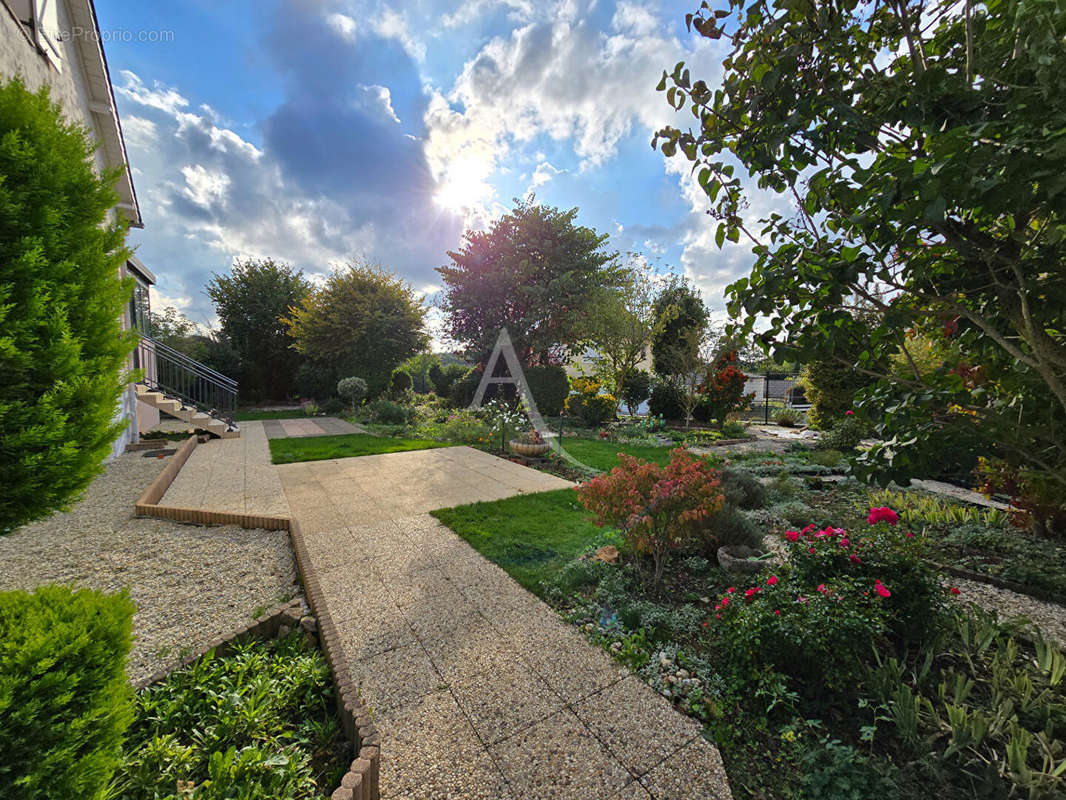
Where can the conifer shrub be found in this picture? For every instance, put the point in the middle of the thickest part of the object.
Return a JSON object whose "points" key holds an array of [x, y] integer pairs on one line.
{"points": [[65, 701], [62, 350]]}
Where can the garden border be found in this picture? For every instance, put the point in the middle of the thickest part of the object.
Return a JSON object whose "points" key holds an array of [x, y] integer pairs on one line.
{"points": [[266, 627], [147, 504], [1002, 583]]}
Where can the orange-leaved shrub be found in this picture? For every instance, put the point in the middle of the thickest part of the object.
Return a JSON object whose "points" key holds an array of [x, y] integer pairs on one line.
{"points": [[657, 508]]}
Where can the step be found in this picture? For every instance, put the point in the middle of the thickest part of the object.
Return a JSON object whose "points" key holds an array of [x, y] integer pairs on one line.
{"points": [[168, 405]]}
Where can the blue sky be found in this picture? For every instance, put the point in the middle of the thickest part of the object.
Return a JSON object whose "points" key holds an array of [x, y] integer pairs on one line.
{"points": [[314, 131]]}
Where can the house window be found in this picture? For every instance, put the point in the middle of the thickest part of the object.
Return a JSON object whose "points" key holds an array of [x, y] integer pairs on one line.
{"points": [[41, 19], [140, 310]]}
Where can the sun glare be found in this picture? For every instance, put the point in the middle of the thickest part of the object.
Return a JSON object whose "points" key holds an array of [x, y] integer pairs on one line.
{"points": [[463, 185]]}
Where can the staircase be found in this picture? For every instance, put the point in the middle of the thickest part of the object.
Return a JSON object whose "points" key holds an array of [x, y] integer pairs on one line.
{"points": [[185, 388]]}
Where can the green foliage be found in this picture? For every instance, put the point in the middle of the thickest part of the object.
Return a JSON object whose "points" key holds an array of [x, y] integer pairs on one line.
{"points": [[251, 302], [443, 378], [550, 386], [353, 390], [400, 385], [742, 489], [636, 389], [734, 429], [347, 445], [389, 413], [1003, 553], [844, 436], [533, 272], [918, 509], [729, 526], [665, 400], [364, 321], [64, 696], [679, 313], [929, 190], [833, 769], [420, 368], [460, 426], [62, 351], [831, 388], [832, 458], [316, 380], [461, 392], [256, 723], [587, 403], [787, 417]]}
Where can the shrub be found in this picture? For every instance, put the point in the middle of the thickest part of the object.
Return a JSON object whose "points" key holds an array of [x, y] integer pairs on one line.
{"points": [[64, 696], [549, 386], [722, 390], [460, 425], [826, 458], [587, 404], [831, 388], [62, 350], [844, 436], [334, 406], [733, 429], [316, 380], [389, 413], [729, 526], [353, 390], [444, 377], [793, 512], [665, 400], [400, 384], [788, 417], [461, 391], [742, 489], [635, 390], [657, 508]]}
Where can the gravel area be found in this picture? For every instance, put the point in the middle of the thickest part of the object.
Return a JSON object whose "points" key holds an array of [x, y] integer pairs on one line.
{"points": [[190, 583], [1049, 617]]}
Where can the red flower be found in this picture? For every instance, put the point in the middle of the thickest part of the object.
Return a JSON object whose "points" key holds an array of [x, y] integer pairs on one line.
{"points": [[910, 535], [955, 590], [854, 559], [882, 514], [844, 542], [881, 590], [821, 588], [777, 612], [750, 593], [771, 580], [849, 413], [725, 601], [705, 622], [810, 528], [811, 551], [792, 535], [731, 589]]}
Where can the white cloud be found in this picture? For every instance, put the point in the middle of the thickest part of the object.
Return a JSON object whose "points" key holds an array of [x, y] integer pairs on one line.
{"points": [[343, 25], [205, 187], [393, 24], [544, 173], [159, 97]]}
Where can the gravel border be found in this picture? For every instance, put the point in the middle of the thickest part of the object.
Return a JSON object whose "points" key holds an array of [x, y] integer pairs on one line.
{"points": [[190, 583]]}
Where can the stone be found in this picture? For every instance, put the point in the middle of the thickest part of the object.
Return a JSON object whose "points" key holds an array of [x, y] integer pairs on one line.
{"points": [[608, 554], [309, 625], [283, 631]]}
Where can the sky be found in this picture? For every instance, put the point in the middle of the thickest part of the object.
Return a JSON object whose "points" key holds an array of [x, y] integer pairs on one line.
{"points": [[318, 131]]}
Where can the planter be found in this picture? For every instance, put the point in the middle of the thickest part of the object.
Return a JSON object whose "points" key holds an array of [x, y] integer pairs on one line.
{"points": [[736, 558], [530, 449]]}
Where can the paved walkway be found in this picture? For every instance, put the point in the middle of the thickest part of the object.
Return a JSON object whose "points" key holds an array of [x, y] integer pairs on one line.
{"points": [[478, 689], [230, 475], [307, 426]]}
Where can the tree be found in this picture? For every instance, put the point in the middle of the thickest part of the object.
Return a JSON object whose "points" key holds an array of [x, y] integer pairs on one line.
{"points": [[620, 326], [420, 367], [722, 390], [920, 150], [250, 303], [62, 350], [680, 317], [365, 321], [534, 273], [636, 389]]}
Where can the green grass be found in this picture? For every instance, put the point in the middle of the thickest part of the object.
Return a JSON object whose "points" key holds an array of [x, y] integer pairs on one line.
{"points": [[251, 414], [320, 448], [531, 536], [603, 455]]}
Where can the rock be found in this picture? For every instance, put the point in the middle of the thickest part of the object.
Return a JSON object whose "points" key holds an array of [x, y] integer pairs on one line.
{"points": [[608, 554], [284, 631], [683, 673], [309, 625], [671, 679], [666, 663]]}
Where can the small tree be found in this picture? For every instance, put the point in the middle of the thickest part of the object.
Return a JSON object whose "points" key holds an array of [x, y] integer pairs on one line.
{"points": [[680, 318], [353, 390], [62, 350], [364, 321], [400, 384], [420, 368], [658, 509], [722, 391], [636, 389]]}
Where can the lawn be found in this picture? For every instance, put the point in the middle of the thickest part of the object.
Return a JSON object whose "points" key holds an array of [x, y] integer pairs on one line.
{"points": [[603, 454], [532, 536], [252, 414], [321, 448]]}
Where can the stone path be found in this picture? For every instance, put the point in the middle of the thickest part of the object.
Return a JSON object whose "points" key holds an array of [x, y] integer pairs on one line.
{"points": [[230, 475], [307, 426], [477, 687]]}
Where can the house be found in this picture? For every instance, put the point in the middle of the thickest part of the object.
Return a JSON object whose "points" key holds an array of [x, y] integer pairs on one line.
{"points": [[58, 43]]}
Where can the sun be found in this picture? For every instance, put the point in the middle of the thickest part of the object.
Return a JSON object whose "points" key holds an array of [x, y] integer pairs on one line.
{"points": [[463, 185]]}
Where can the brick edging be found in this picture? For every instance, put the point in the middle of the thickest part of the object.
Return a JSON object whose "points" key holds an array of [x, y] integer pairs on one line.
{"points": [[266, 627], [361, 780], [147, 504]]}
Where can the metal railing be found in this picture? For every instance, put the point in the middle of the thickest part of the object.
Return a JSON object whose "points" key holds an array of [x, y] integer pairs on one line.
{"points": [[172, 372]]}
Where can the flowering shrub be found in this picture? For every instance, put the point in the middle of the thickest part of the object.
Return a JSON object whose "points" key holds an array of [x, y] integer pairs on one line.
{"points": [[657, 508], [839, 595], [587, 404], [461, 426], [722, 390]]}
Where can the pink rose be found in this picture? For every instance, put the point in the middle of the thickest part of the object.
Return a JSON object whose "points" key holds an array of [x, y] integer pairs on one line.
{"points": [[792, 536], [772, 580]]}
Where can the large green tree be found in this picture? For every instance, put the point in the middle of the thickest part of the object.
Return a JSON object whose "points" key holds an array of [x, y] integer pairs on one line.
{"points": [[62, 350], [922, 150], [250, 303], [680, 321], [533, 271], [363, 323]]}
